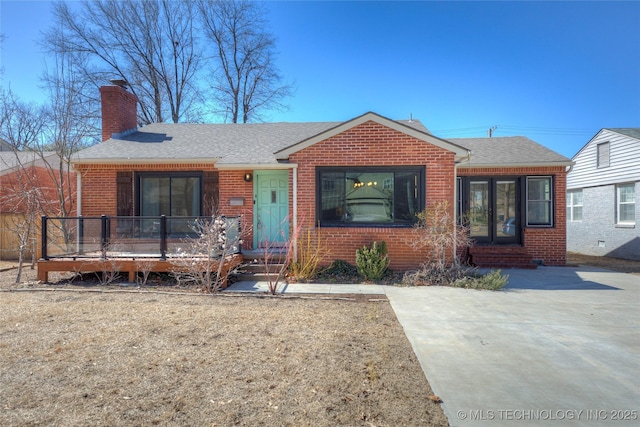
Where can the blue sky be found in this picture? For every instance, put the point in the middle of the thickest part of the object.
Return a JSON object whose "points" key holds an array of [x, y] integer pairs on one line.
{"points": [[556, 72]]}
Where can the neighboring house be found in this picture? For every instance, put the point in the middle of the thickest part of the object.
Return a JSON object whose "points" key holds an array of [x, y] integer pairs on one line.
{"points": [[24, 173], [354, 182], [5, 146], [603, 196]]}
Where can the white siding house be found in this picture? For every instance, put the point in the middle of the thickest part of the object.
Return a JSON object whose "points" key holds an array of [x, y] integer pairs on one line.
{"points": [[603, 196]]}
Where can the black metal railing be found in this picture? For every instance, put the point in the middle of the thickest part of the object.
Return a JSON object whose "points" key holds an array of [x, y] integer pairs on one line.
{"points": [[131, 236]]}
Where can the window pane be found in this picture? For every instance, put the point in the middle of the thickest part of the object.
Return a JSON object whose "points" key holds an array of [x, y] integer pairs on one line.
{"points": [[185, 196], [539, 201], [479, 209], [539, 189], [332, 201], [577, 197], [369, 197], [406, 197], [627, 213], [363, 196], [577, 213], [625, 193], [155, 196], [539, 213]]}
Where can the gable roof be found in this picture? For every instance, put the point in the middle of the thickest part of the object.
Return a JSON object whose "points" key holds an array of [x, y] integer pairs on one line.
{"points": [[233, 145], [407, 127], [11, 160], [630, 132], [508, 151], [268, 145]]}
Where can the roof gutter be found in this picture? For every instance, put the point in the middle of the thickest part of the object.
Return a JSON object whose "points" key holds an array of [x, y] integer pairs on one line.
{"points": [[256, 166], [515, 165], [130, 161]]}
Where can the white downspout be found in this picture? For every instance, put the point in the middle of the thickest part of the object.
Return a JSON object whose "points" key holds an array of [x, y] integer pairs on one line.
{"points": [[294, 173], [455, 212]]}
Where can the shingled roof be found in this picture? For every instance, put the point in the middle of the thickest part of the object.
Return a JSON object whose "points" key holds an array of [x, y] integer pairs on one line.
{"points": [[263, 144], [632, 132], [225, 144], [508, 151]]}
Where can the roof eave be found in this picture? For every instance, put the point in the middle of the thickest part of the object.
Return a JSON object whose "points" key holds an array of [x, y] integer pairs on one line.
{"points": [[515, 165], [129, 161], [256, 166], [370, 116]]}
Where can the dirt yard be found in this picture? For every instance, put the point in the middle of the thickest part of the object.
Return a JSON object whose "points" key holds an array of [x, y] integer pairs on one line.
{"points": [[96, 356], [81, 354], [616, 264]]}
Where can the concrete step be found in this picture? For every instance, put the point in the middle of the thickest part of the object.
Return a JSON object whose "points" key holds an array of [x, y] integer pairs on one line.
{"points": [[256, 270]]}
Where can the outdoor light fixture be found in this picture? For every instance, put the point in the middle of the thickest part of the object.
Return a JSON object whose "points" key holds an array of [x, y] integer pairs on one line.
{"points": [[248, 177]]}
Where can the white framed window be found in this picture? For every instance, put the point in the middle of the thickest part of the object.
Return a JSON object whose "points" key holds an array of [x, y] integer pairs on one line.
{"points": [[625, 204], [539, 201], [603, 155], [574, 205]]}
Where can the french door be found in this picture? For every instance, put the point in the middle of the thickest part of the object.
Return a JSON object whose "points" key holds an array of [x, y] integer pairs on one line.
{"points": [[494, 210]]}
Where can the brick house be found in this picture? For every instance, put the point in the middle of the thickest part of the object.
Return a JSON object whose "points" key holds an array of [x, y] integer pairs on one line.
{"points": [[29, 186], [360, 181]]}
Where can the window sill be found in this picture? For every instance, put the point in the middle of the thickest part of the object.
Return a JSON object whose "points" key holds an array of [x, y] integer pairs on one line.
{"points": [[630, 226], [363, 225]]}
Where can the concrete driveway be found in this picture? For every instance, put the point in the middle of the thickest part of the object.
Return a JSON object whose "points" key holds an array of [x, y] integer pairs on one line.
{"points": [[558, 346]]}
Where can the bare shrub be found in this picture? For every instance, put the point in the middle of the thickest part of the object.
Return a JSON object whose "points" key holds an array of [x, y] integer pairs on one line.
{"points": [[144, 267], [202, 260], [456, 276], [438, 232], [110, 272]]}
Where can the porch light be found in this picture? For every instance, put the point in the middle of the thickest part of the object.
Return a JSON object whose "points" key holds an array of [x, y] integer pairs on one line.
{"points": [[248, 177]]}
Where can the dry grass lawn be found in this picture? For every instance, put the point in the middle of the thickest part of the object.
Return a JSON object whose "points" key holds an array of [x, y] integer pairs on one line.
{"points": [[70, 357]]}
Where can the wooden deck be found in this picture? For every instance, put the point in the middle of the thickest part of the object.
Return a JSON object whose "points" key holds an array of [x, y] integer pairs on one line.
{"points": [[129, 265]]}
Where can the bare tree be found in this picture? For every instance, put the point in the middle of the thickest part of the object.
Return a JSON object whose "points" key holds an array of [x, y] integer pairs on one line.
{"points": [[21, 124], [245, 78], [72, 123], [23, 196], [150, 44]]}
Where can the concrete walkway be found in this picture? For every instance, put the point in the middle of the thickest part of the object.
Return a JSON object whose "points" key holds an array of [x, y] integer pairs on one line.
{"points": [[558, 346]]}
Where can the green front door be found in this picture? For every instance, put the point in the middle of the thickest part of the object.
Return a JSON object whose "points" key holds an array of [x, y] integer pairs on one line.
{"points": [[271, 216]]}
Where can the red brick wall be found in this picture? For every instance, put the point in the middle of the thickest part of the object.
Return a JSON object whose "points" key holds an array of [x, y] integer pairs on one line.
{"points": [[99, 190], [544, 243], [14, 185], [99, 183], [119, 112], [232, 184], [371, 144]]}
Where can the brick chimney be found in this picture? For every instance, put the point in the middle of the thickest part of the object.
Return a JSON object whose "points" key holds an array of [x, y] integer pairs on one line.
{"points": [[119, 111]]}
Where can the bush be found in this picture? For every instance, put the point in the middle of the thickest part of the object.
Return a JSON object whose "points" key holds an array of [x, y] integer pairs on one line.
{"points": [[455, 276], [372, 263], [341, 268], [493, 281]]}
